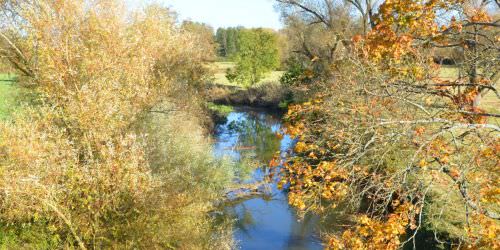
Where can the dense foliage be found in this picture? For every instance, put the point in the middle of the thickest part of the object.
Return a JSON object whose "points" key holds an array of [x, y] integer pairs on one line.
{"points": [[107, 150], [86, 164], [227, 39], [257, 55], [405, 151]]}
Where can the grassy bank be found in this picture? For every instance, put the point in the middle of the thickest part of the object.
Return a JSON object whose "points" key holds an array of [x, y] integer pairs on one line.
{"points": [[268, 93], [220, 68], [220, 109], [218, 114], [8, 95]]}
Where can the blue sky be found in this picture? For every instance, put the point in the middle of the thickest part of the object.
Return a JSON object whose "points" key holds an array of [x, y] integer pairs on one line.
{"points": [[223, 13]]}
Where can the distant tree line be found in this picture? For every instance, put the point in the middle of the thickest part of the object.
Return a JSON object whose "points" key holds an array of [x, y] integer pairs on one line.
{"points": [[227, 39]]}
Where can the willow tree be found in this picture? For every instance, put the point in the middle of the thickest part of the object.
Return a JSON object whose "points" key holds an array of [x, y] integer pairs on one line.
{"points": [[320, 30], [74, 171]]}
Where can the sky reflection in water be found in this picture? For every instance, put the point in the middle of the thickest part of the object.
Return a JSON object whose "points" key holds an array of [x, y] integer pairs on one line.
{"points": [[249, 137]]}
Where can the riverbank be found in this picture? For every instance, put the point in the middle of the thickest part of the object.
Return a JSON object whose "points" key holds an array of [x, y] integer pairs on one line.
{"points": [[267, 95], [8, 95]]}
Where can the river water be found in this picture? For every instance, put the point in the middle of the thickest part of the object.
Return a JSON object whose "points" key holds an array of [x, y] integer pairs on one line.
{"points": [[262, 221]]}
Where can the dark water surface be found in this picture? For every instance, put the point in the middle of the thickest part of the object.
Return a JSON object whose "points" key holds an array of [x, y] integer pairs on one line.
{"points": [[263, 221]]}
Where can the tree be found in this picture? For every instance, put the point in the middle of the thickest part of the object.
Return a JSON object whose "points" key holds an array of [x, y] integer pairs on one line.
{"points": [[232, 41], [203, 35], [407, 150], [319, 30], [74, 164], [257, 55], [326, 11], [221, 39], [227, 39]]}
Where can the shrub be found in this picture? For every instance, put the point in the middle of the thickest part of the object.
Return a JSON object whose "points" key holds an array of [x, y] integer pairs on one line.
{"points": [[295, 73], [75, 166]]}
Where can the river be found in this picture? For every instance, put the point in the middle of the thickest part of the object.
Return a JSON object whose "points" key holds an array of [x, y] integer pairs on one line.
{"points": [[262, 221]]}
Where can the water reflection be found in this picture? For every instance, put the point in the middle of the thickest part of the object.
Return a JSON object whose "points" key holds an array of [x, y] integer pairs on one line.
{"points": [[249, 137], [256, 136]]}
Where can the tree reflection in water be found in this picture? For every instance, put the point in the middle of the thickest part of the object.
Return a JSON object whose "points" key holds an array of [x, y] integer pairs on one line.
{"points": [[262, 221]]}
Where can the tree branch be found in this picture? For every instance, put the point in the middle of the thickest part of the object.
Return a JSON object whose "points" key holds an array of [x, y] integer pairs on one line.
{"points": [[320, 17]]}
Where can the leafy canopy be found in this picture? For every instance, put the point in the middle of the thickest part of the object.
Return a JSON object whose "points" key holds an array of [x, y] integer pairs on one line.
{"points": [[257, 55]]}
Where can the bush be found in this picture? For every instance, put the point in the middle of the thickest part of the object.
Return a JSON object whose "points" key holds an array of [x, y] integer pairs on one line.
{"points": [[269, 94], [295, 73], [79, 165]]}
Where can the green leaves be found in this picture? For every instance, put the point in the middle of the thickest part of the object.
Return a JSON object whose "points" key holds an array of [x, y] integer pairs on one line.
{"points": [[258, 54]]}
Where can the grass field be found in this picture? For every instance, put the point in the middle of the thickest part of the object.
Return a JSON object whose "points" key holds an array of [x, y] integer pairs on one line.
{"points": [[220, 74], [8, 95], [490, 102], [448, 72]]}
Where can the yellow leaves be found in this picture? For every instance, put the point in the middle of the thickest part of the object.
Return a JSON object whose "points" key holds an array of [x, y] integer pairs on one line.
{"points": [[357, 38], [444, 160], [364, 220], [371, 233], [335, 243], [318, 101], [440, 150], [274, 162], [490, 193], [282, 183], [419, 130], [486, 234], [293, 131], [336, 191], [52, 228], [279, 136], [479, 15], [296, 201], [36, 216], [326, 165], [391, 43], [308, 182], [300, 147], [423, 163], [312, 156], [492, 231], [327, 194], [454, 25]]}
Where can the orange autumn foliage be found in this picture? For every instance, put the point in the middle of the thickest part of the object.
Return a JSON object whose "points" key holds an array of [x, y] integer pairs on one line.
{"points": [[390, 128]]}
